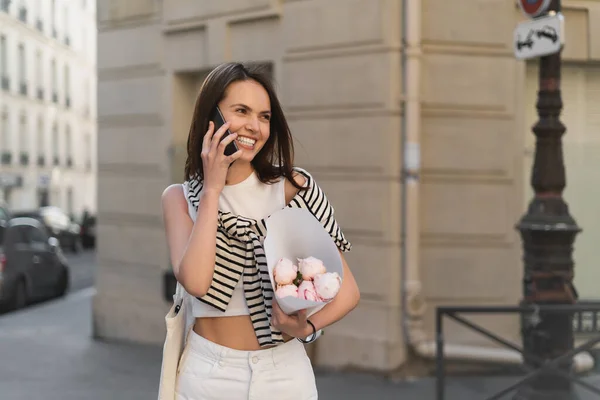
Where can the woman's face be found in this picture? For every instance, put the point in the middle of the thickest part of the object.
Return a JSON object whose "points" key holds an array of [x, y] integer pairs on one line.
{"points": [[246, 106]]}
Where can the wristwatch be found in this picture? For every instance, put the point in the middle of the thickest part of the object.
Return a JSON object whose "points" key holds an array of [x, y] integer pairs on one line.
{"points": [[310, 338]]}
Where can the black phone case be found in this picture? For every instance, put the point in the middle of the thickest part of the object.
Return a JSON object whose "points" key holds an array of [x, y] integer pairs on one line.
{"points": [[219, 121]]}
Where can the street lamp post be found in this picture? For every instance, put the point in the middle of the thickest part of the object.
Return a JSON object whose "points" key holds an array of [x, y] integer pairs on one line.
{"points": [[548, 232]]}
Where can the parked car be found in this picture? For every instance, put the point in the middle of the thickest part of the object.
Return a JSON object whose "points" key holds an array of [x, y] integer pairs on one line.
{"points": [[58, 224], [4, 214], [32, 265]]}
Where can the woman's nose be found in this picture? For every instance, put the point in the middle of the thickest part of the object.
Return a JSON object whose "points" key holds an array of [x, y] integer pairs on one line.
{"points": [[252, 124]]}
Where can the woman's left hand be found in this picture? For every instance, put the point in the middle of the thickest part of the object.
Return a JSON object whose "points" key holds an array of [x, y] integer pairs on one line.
{"points": [[294, 325]]}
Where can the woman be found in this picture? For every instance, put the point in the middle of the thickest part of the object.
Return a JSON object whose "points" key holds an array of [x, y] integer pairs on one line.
{"points": [[242, 345]]}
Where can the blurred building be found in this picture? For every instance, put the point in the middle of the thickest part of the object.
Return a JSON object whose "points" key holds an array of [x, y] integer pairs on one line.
{"points": [[48, 104], [352, 93]]}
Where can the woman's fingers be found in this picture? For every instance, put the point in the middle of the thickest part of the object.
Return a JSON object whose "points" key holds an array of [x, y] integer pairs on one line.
{"points": [[207, 138], [216, 139], [234, 156], [228, 139]]}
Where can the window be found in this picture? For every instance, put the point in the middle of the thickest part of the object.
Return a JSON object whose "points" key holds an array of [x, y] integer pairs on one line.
{"points": [[68, 146], [5, 150], [70, 200], [22, 69], [53, 17], [66, 24], [39, 73], [67, 83], [4, 142], [55, 144], [17, 235], [3, 60], [36, 236], [39, 22], [23, 12], [21, 62], [54, 81], [23, 139], [87, 151], [41, 146]]}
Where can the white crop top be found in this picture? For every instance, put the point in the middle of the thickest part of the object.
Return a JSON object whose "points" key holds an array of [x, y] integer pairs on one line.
{"points": [[250, 198]]}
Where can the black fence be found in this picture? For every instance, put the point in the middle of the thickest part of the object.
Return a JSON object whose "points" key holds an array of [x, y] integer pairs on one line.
{"points": [[585, 314]]}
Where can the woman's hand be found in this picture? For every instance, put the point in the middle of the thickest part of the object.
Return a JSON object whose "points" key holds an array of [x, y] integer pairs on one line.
{"points": [[214, 161], [294, 325]]}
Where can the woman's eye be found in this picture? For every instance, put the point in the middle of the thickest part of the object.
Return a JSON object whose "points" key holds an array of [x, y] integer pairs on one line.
{"points": [[267, 117], [241, 110]]}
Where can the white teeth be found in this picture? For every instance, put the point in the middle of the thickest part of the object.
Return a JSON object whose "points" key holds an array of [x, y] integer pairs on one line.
{"points": [[246, 141]]}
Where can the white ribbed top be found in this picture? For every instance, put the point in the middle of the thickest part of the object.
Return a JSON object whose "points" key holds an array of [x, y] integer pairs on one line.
{"points": [[252, 199]]}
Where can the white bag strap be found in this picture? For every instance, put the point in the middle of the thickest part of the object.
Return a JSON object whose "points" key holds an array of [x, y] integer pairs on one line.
{"points": [[179, 292]]}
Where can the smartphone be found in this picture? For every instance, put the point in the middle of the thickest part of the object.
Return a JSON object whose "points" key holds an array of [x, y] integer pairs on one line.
{"points": [[219, 121]]}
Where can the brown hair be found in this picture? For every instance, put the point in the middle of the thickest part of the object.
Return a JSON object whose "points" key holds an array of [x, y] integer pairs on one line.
{"points": [[276, 157]]}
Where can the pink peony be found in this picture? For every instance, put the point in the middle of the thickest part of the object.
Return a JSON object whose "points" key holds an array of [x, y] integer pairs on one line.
{"points": [[284, 272], [286, 291], [310, 266], [306, 291], [327, 285]]}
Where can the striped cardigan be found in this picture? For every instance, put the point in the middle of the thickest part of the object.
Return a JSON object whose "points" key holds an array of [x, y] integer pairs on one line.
{"points": [[240, 253]]}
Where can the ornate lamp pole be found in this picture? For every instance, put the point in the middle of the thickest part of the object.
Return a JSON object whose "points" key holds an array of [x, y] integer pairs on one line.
{"points": [[548, 232]]}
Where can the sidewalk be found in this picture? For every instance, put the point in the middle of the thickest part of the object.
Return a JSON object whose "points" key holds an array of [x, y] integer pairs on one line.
{"points": [[46, 352]]}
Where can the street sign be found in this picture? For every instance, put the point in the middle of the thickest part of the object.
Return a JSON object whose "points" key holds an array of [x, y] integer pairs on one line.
{"points": [[539, 37], [534, 8]]}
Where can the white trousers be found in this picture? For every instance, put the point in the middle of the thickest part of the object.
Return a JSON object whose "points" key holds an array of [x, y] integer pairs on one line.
{"points": [[208, 371]]}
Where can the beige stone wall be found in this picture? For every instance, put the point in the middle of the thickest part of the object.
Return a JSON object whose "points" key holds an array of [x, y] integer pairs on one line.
{"points": [[471, 186], [132, 172], [337, 64]]}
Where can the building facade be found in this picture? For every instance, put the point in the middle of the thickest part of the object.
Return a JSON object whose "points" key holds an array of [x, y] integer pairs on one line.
{"points": [[48, 104], [415, 120]]}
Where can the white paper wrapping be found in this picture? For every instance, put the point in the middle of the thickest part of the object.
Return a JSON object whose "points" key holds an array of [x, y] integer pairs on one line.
{"points": [[294, 233]]}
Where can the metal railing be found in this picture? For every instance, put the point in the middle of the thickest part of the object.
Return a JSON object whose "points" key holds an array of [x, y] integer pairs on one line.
{"points": [[532, 371]]}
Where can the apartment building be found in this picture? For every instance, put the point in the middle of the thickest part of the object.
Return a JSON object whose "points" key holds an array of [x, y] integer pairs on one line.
{"points": [[48, 104]]}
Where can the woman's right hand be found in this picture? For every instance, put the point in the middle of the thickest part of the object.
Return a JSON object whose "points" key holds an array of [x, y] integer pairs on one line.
{"points": [[214, 161]]}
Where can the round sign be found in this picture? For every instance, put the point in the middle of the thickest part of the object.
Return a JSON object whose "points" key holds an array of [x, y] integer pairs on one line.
{"points": [[534, 8]]}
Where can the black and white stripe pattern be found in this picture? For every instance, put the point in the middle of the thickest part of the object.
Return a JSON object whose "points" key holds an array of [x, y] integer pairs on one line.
{"points": [[240, 252]]}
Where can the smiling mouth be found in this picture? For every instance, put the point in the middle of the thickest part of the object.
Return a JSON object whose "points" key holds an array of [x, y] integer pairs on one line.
{"points": [[246, 142]]}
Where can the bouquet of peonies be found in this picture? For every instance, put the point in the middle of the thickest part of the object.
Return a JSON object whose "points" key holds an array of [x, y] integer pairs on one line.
{"points": [[307, 281], [316, 277]]}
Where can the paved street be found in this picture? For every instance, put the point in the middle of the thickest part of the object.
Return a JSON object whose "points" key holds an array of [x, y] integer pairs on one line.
{"points": [[46, 352], [81, 266]]}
